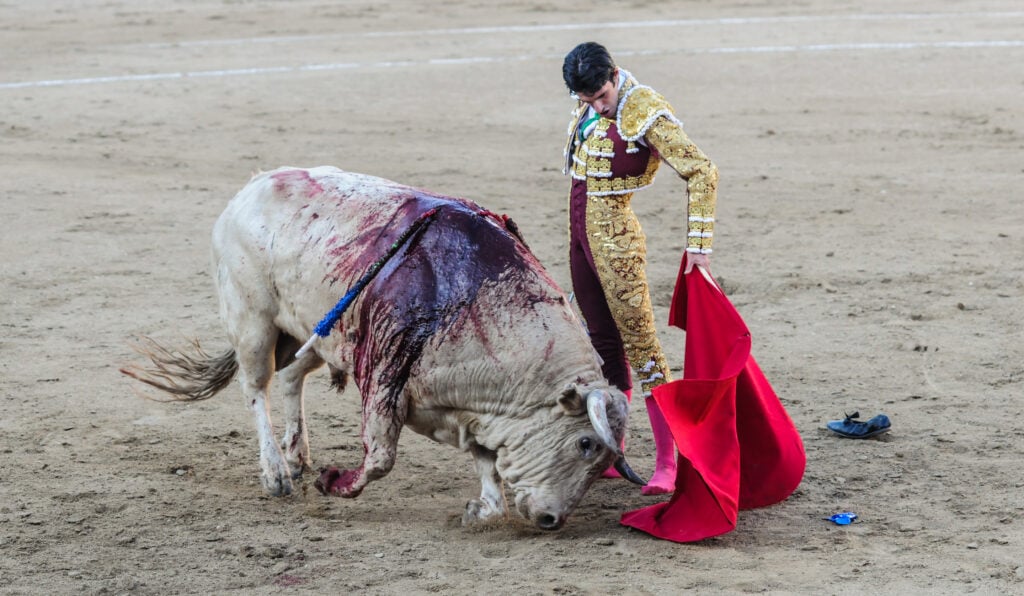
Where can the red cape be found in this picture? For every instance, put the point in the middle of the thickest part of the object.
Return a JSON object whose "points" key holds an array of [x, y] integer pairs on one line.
{"points": [[737, 446]]}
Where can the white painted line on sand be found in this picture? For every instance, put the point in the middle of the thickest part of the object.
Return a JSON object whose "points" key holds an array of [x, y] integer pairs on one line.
{"points": [[892, 46], [599, 26]]}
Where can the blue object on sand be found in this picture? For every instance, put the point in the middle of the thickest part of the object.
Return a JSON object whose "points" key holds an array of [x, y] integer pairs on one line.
{"points": [[843, 519], [851, 428]]}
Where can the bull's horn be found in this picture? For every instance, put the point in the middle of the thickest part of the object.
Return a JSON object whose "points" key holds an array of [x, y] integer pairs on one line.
{"points": [[622, 467], [597, 410]]}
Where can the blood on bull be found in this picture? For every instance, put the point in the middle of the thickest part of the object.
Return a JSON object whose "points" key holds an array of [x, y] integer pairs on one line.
{"points": [[459, 334]]}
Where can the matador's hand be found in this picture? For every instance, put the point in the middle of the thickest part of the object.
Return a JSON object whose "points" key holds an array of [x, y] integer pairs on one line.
{"points": [[696, 258]]}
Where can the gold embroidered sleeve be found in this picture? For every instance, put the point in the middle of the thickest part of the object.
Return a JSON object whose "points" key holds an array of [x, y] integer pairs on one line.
{"points": [[701, 175]]}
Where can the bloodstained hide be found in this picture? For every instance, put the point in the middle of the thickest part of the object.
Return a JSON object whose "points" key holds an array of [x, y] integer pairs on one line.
{"points": [[296, 183], [426, 288]]}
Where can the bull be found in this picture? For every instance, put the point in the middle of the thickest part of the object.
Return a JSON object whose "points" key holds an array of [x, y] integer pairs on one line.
{"points": [[461, 336]]}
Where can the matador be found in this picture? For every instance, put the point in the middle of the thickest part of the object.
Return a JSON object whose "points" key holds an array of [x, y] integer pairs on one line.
{"points": [[619, 133]]}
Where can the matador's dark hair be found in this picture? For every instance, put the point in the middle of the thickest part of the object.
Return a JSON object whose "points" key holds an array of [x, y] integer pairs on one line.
{"points": [[587, 68]]}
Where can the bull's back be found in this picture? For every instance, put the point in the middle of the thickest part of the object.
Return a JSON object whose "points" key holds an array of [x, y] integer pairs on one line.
{"points": [[308, 235], [294, 241], [288, 212]]}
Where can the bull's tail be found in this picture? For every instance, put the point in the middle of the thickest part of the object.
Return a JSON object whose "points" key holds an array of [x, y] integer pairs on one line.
{"points": [[185, 376]]}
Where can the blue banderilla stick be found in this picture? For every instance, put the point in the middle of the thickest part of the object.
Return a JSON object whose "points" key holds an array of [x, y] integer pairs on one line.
{"points": [[323, 328]]}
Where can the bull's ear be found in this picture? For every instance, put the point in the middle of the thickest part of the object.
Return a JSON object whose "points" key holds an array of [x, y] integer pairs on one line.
{"points": [[571, 400]]}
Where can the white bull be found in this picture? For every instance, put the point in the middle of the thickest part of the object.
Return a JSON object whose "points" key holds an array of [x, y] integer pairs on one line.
{"points": [[461, 336]]}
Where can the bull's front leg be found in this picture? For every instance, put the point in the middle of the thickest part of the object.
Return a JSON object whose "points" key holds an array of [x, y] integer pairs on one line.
{"points": [[381, 428], [492, 496]]}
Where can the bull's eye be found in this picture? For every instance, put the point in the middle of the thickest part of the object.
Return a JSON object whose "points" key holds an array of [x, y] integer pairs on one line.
{"points": [[588, 446]]}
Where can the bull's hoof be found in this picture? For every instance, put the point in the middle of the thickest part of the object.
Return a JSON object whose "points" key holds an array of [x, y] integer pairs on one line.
{"points": [[296, 457], [338, 483], [276, 486], [478, 511], [299, 470]]}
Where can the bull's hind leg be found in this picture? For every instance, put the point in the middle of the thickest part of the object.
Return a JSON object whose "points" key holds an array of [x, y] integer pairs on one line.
{"points": [[382, 424], [256, 368], [292, 380], [245, 311]]}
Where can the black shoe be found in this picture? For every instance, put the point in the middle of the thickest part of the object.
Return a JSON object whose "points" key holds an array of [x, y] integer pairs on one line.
{"points": [[851, 428]]}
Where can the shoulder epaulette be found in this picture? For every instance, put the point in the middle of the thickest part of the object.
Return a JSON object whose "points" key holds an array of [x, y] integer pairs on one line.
{"points": [[639, 107]]}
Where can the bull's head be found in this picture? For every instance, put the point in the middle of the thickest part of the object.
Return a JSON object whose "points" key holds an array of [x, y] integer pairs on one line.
{"points": [[552, 464]]}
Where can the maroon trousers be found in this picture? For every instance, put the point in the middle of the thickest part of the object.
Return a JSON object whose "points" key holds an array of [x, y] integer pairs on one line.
{"points": [[604, 334]]}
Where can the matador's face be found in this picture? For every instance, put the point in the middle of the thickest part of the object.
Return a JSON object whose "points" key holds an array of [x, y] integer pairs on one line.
{"points": [[605, 100]]}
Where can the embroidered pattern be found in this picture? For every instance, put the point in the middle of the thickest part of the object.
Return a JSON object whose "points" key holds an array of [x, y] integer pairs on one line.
{"points": [[639, 108], [592, 161], [613, 231], [679, 152], [620, 255]]}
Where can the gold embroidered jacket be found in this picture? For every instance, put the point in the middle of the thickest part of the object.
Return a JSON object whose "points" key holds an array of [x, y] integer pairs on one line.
{"points": [[612, 164], [644, 114]]}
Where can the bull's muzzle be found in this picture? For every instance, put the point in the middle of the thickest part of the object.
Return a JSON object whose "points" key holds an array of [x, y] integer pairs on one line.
{"points": [[544, 519], [548, 521]]}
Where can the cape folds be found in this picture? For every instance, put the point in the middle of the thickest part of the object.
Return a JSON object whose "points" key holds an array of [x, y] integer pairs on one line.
{"points": [[738, 448]]}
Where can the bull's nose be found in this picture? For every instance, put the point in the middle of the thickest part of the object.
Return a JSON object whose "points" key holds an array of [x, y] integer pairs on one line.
{"points": [[546, 521]]}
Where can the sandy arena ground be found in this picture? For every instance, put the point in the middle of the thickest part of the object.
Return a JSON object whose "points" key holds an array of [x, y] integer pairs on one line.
{"points": [[871, 232]]}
